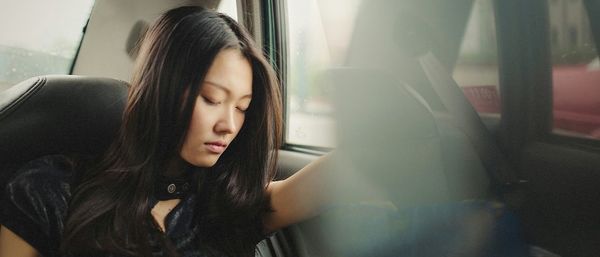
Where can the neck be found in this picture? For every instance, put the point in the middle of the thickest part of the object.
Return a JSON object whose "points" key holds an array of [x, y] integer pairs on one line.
{"points": [[176, 167], [176, 181]]}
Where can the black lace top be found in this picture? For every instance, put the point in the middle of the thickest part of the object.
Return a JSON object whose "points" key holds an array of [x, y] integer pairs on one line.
{"points": [[35, 203]]}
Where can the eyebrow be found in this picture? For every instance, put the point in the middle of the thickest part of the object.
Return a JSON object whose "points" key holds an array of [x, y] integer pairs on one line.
{"points": [[225, 89]]}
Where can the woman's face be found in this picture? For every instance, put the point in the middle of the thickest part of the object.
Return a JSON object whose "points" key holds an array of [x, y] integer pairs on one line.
{"points": [[219, 110]]}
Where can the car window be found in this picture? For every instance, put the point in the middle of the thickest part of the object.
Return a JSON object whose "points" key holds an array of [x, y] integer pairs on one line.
{"points": [[318, 38], [476, 70], [228, 7], [575, 71], [40, 37]]}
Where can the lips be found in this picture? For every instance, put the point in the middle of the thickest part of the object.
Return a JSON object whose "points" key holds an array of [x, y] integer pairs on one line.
{"points": [[216, 147]]}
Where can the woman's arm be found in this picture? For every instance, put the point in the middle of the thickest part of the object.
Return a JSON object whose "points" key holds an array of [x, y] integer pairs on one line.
{"points": [[12, 245], [296, 198], [308, 191]]}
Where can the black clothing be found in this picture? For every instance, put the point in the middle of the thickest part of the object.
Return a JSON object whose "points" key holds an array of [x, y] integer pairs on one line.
{"points": [[36, 200]]}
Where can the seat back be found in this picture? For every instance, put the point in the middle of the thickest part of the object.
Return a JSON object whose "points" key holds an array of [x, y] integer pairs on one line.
{"points": [[57, 114], [389, 137]]}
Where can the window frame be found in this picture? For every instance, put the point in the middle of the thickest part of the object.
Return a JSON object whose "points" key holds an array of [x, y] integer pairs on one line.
{"points": [[83, 33]]}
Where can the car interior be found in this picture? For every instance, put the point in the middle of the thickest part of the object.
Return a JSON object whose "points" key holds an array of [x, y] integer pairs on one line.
{"points": [[404, 119]]}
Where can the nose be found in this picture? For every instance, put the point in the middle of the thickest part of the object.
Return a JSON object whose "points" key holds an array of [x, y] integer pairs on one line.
{"points": [[226, 124]]}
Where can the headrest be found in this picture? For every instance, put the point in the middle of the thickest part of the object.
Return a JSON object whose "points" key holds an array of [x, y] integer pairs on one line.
{"points": [[375, 102], [385, 132], [58, 114]]}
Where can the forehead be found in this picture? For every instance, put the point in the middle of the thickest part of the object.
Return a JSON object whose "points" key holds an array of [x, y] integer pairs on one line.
{"points": [[230, 71]]}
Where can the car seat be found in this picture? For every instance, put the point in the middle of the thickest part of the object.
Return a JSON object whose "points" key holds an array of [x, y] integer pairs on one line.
{"points": [[57, 114]]}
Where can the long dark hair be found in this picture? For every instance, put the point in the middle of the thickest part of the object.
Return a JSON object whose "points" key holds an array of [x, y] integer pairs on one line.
{"points": [[109, 210]]}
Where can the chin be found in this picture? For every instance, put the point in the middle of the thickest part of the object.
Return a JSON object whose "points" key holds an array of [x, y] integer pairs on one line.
{"points": [[204, 162]]}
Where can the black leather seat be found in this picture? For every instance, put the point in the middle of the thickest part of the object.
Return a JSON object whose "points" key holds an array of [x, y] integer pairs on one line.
{"points": [[57, 114]]}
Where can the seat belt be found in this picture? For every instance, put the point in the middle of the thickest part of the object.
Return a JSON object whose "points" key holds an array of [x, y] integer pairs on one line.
{"points": [[504, 177]]}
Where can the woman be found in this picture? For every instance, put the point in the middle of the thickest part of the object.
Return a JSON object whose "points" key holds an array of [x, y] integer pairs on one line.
{"points": [[190, 172]]}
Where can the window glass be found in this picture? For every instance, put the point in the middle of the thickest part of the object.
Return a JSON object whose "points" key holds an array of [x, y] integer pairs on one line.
{"points": [[318, 37], [228, 7], [39, 37], [575, 71], [476, 70]]}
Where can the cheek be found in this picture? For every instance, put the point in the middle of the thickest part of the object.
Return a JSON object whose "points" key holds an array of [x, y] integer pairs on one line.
{"points": [[202, 119], [195, 125], [194, 132], [239, 120]]}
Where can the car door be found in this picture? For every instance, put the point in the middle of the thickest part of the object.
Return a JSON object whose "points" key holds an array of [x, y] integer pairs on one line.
{"points": [[530, 73], [549, 103]]}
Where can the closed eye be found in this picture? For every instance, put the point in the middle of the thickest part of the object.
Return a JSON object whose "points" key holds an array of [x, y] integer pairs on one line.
{"points": [[209, 102]]}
